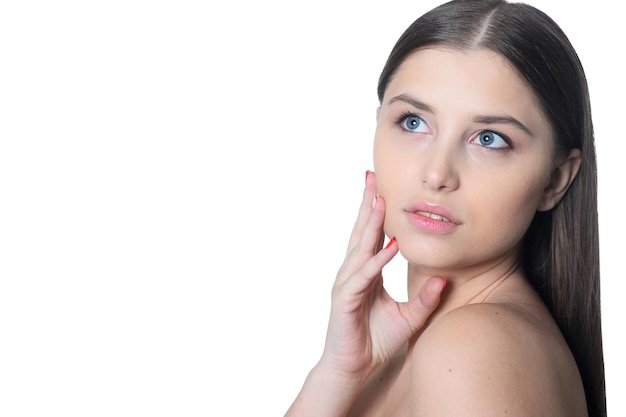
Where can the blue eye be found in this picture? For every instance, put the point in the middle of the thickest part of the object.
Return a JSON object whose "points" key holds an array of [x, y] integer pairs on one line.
{"points": [[413, 123], [491, 139]]}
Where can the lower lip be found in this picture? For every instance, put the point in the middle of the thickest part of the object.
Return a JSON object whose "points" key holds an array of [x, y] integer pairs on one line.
{"points": [[431, 225]]}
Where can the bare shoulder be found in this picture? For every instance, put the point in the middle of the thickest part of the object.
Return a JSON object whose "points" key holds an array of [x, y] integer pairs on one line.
{"points": [[494, 359]]}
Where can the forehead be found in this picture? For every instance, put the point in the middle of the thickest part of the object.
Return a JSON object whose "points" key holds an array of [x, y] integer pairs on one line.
{"points": [[446, 75]]}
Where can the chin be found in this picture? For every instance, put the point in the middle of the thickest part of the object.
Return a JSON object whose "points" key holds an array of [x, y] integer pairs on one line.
{"points": [[430, 256], [426, 259]]}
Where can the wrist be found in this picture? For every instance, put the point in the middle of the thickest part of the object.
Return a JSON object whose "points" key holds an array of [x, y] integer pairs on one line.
{"points": [[326, 393], [348, 380]]}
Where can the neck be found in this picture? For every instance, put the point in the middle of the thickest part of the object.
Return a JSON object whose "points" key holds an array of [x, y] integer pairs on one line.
{"points": [[468, 285]]}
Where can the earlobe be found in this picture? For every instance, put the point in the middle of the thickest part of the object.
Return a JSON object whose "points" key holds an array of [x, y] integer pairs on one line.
{"points": [[562, 177]]}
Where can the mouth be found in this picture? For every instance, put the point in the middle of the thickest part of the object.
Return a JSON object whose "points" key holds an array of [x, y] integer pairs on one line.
{"points": [[432, 211], [433, 219], [433, 216]]}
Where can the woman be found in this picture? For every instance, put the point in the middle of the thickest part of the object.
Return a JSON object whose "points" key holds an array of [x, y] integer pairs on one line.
{"points": [[485, 182]]}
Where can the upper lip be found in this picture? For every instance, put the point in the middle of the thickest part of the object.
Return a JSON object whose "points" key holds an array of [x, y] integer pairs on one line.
{"points": [[431, 208]]}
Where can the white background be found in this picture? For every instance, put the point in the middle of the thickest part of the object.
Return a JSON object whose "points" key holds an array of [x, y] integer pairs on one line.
{"points": [[178, 181]]}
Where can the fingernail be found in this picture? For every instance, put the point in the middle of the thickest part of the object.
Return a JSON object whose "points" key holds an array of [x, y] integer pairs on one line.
{"points": [[367, 174], [393, 239], [374, 202]]}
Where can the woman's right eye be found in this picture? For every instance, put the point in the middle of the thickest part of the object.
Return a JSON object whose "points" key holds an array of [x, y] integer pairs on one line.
{"points": [[413, 123]]}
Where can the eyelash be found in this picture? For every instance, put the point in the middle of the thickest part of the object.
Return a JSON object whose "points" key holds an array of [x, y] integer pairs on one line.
{"points": [[490, 149], [406, 114]]}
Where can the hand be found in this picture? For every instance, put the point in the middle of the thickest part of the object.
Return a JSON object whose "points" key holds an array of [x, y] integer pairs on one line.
{"points": [[367, 326]]}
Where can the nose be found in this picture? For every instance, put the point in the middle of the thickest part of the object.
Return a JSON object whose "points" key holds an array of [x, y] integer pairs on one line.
{"points": [[440, 169]]}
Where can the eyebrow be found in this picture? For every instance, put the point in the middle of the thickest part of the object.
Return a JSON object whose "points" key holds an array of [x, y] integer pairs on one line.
{"points": [[502, 120], [488, 120], [413, 102]]}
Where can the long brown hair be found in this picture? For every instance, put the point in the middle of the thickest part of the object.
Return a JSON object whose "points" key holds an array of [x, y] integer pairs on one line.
{"points": [[561, 256]]}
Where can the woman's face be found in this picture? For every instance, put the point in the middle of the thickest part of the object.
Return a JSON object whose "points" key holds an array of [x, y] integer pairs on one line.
{"points": [[462, 155]]}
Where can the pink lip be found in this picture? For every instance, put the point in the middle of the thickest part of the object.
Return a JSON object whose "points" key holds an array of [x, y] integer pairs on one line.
{"points": [[417, 217]]}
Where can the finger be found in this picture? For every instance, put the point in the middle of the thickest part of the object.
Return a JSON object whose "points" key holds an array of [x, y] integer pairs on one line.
{"points": [[424, 303], [361, 280], [371, 238], [381, 236], [364, 210]]}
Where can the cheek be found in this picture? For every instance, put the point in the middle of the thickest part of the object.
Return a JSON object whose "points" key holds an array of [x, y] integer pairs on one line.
{"points": [[378, 152], [383, 166], [511, 205], [389, 186]]}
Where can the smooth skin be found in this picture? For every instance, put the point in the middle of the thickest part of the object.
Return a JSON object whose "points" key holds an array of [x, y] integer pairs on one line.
{"points": [[367, 327], [464, 158]]}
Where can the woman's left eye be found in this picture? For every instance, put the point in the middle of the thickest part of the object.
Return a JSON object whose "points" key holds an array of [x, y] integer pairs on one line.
{"points": [[490, 139]]}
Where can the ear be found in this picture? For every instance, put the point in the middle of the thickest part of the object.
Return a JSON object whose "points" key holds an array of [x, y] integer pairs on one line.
{"points": [[377, 112], [560, 180]]}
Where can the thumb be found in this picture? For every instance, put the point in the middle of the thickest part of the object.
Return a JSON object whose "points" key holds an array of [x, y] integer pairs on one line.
{"points": [[423, 304]]}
